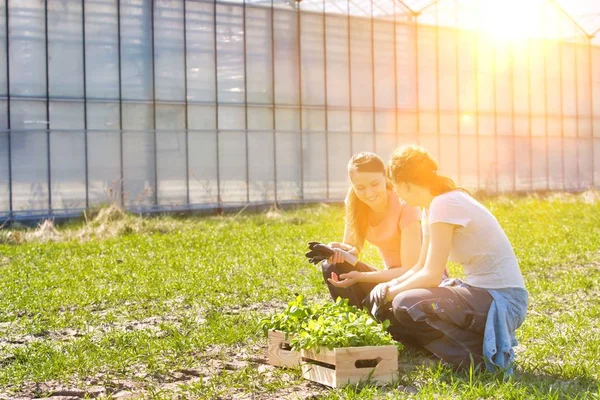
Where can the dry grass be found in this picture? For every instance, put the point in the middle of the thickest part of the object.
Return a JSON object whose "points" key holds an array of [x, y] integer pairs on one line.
{"points": [[107, 222]]}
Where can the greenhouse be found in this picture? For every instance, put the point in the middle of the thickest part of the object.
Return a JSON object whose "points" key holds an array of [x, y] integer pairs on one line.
{"points": [[187, 105]]}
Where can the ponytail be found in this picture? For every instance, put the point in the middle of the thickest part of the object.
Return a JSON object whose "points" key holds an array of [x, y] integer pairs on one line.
{"points": [[414, 164]]}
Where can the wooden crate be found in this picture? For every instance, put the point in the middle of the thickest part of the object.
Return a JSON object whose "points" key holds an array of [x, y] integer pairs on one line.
{"points": [[346, 365], [279, 353]]}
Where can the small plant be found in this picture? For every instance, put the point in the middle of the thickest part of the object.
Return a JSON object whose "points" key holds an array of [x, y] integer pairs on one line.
{"points": [[328, 324]]}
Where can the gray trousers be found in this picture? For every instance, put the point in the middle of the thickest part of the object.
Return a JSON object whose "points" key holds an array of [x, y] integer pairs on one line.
{"points": [[448, 321], [355, 293]]}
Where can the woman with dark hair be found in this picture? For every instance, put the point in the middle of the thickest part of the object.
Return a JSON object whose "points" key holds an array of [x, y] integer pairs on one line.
{"points": [[375, 214], [460, 322]]}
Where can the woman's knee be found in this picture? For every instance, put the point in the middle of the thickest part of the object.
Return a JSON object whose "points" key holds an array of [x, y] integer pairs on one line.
{"points": [[405, 301], [328, 269]]}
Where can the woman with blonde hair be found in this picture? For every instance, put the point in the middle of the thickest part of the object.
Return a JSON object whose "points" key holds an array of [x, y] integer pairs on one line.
{"points": [[374, 214], [460, 322]]}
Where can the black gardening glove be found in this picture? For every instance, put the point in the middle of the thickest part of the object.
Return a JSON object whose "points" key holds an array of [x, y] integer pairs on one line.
{"points": [[318, 252]]}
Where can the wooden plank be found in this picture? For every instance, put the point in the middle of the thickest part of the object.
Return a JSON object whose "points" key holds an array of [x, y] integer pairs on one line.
{"points": [[320, 374], [278, 356], [355, 364], [351, 365], [324, 355]]}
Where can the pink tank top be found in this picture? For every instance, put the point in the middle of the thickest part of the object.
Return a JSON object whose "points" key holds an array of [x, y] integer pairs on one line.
{"points": [[386, 235]]}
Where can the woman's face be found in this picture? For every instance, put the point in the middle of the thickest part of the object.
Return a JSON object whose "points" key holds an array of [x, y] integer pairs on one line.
{"points": [[405, 192], [369, 187]]}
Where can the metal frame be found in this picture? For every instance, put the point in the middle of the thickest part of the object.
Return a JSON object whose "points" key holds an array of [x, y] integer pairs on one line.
{"points": [[458, 108], [300, 107], [48, 126], [186, 106], [154, 138], [529, 117], [246, 139], [121, 152], [350, 122], [274, 120], [8, 109], [592, 117], [218, 149], [373, 105], [85, 106], [325, 102], [512, 116]]}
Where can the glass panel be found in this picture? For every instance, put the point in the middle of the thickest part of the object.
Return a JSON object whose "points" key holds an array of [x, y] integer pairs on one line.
{"points": [[406, 68], [171, 149], [448, 157], [101, 50], [487, 164], [447, 60], [200, 51], [261, 164], [203, 168], [596, 80], [168, 50], [571, 164], [260, 118], [232, 166], [104, 162], [202, 117], [466, 67], [520, 78], [555, 164], [3, 60], [314, 165], [468, 162], [136, 49], [65, 49], [139, 155], [361, 59], [523, 164], [313, 120], [313, 61], [337, 61], [384, 64], [259, 56], [29, 155], [67, 155], [288, 166], [427, 77], [286, 57], [586, 163], [27, 48], [232, 118], [339, 154], [539, 163], [569, 100], [230, 53]]}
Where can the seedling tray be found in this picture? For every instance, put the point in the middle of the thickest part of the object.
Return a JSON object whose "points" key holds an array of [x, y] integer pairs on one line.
{"points": [[348, 365]]}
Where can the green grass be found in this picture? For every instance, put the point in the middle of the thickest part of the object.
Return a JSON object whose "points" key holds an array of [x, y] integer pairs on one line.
{"points": [[133, 308]]}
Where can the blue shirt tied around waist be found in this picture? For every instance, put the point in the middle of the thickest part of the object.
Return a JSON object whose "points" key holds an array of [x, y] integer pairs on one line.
{"points": [[506, 314]]}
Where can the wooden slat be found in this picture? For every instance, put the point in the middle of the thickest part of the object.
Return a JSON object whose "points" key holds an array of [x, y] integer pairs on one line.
{"points": [[384, 371], [344, 370], [277, 356], [324, 355]]}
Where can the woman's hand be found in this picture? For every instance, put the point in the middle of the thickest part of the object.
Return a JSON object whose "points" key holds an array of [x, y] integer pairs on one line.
{"points": [[379, 293], [347, 279], [337, 257]]}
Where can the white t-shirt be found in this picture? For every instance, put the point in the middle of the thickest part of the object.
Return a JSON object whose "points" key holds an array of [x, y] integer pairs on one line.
{"points": [[479, 244]]}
